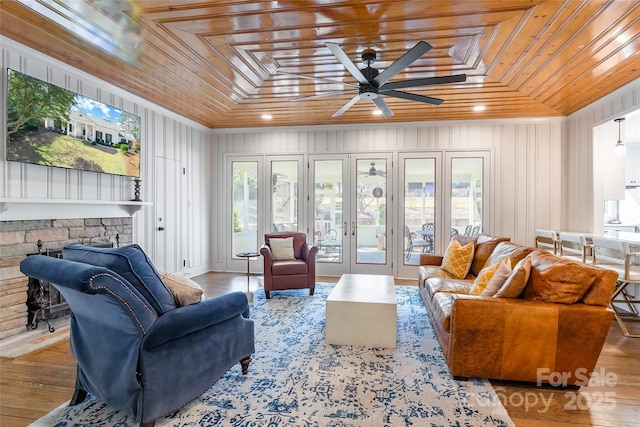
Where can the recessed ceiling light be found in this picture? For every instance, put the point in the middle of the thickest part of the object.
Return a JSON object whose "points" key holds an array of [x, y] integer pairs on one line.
{"points": [[479, 108], [267, 116], [376, 112]]}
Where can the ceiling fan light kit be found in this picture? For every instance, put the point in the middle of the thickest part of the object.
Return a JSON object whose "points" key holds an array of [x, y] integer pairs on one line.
{"points": [[372, 84]]}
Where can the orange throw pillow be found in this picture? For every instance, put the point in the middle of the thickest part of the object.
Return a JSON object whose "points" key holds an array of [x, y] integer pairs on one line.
{"points": [[457, 259]]}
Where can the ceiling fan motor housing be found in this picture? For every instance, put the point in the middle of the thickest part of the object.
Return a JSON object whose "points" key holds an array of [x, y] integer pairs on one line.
{"points": [[369, 73], [368, 56], [368, 92]]}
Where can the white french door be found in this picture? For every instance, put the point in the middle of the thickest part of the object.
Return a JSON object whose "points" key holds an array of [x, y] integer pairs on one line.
{"points": [[364, 217], [350, 215], [440, 194], [265, 196]]}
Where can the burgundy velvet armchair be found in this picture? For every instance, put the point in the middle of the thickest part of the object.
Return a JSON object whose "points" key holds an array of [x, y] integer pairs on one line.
{"points": [[295, 269]]}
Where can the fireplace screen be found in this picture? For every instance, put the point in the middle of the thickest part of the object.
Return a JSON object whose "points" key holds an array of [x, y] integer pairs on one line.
{"points": [[44, 301]]}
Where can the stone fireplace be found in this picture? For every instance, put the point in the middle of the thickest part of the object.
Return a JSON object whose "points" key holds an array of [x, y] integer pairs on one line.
{"points": [[20, 238]]}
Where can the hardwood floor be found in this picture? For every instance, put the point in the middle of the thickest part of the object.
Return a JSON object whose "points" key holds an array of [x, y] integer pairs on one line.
{"points": [[35, 383]]}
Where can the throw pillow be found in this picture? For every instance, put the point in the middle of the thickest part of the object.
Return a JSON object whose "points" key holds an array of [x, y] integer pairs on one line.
{"points": [[517, 280], [457, 259], [556, 279], [282, 249], [185, 291], [491, 278]]}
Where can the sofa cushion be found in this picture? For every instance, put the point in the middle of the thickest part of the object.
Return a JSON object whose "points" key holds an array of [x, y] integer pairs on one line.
{"points": [[517, 280], [485, 246], [452, 286], [465, 239], [442, 304], [457, 259], [185, 291], [491, 278], [131, 263], [511, 250], [556, 279], [427, 271], [281, 249]]}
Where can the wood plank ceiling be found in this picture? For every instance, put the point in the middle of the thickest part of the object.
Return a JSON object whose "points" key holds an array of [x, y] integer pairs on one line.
{"points": [[219, 63]]}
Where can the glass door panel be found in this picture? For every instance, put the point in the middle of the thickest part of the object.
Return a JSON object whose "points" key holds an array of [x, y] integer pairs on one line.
{"points": [[329, 225], [370, 211], [244, 236], [466, 183], [284, 195], [466, 195], [350, 198], [419, 208]]}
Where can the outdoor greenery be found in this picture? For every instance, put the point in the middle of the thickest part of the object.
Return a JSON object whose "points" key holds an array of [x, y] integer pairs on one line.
{"points": [[30, 100]]}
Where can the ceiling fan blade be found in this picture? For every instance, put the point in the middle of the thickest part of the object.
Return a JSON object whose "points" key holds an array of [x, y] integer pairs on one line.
{"points": [[320, 79], [320, 95], [382, 106], [346, 106], [348, 64], [429, 81], [414, 97], [403, 62]]}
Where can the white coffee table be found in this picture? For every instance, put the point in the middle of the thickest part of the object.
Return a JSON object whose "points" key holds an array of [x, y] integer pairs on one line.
{"points": [[362, 311]]}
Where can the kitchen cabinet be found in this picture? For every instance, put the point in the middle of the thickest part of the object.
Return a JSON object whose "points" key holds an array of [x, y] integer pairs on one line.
{"points": [[619, 227], [632, 165]]}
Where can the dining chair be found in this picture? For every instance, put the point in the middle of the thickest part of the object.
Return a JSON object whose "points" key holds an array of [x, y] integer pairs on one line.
{"points": [[467, 230], [412, 243], [431, 237], [573, 246], [546, 239], [615, 255], [475, 231]]}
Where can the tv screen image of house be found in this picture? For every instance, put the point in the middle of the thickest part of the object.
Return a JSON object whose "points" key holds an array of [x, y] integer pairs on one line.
{"points": [[51, 126]]}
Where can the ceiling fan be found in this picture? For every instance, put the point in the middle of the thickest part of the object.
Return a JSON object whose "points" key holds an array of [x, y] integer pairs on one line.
{"points": [[372, 83], [373, 171]]}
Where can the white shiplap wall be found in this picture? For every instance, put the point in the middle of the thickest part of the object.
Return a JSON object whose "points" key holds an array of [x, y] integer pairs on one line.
{"points": [[164, 134], [582, 212], [525, 173]]}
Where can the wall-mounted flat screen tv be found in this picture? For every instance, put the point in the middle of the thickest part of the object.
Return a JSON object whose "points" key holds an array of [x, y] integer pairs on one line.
{"points": [[51, 126]]}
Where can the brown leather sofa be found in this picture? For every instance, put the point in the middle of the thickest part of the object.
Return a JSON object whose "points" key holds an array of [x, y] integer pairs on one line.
{"points": [[551, 333]]}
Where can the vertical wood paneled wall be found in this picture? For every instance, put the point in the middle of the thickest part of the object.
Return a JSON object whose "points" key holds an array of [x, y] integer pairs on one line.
{"points": [[164, 134], [578, 160], [525, 168]]}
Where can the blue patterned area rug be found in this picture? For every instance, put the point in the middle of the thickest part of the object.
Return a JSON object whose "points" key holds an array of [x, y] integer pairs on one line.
{"points": [[295, 379]]}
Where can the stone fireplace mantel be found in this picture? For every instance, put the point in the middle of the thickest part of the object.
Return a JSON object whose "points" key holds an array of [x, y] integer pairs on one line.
{"points": [[12, 209]]}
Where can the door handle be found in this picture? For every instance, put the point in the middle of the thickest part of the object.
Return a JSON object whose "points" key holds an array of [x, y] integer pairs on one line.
{"points": [[345, 228], [353, 228], [160, 228]]}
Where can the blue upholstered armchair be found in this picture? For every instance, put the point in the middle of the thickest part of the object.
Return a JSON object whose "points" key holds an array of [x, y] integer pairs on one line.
{"points": [[135, 349]]}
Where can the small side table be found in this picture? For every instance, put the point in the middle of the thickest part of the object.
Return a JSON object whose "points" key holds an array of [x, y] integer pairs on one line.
{"points": [[248, 256]]}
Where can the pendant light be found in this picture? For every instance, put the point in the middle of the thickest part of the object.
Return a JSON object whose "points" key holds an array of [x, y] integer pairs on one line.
{"points": [[618, 149]]}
